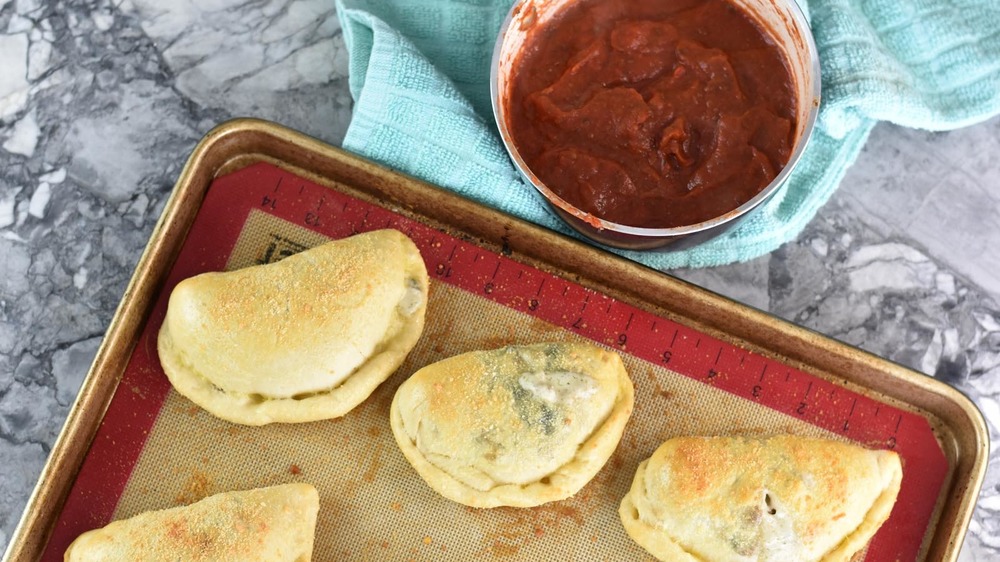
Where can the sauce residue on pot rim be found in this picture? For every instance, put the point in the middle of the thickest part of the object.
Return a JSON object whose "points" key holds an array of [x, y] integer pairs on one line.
{"points": [[652, 114]]}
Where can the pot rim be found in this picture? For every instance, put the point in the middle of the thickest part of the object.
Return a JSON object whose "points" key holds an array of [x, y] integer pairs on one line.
{"points": [[596, 222]]}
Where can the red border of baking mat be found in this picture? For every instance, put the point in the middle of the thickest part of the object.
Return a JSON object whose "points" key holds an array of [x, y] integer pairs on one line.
{"points": [[140, 395]]}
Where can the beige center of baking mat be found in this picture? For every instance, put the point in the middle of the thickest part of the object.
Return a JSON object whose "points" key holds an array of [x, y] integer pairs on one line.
{"points": [[373, 506]]}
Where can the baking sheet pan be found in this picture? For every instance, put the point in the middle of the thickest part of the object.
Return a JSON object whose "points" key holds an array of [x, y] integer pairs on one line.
{"points": [[254, 192]]}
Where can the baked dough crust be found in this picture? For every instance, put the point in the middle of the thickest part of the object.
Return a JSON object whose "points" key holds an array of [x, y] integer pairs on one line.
{"points": [[781, 498], [304, 339], [273, 524], [518, 426]]}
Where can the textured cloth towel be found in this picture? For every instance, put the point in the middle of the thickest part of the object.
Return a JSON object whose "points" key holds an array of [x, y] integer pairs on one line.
{"points": [[419, 74]]}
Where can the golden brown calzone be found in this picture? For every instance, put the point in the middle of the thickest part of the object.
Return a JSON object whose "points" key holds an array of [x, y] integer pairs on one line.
{"points": [[273, 524], [518, 426], [777, 499], [303, 339]]}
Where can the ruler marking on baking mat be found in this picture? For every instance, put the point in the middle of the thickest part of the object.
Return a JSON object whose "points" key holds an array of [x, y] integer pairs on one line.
{"points": [[659, 341]]}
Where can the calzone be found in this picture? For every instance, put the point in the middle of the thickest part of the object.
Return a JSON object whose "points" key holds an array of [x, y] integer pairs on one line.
{"points": [[273, 524], [721, 499], [518, 426], [303, 339]]}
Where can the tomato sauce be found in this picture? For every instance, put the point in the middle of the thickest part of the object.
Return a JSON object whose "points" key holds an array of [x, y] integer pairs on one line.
{"points": [[652, 113]]}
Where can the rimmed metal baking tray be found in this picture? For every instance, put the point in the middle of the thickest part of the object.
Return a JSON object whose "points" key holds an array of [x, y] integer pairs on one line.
{"points": [[688, 348]]}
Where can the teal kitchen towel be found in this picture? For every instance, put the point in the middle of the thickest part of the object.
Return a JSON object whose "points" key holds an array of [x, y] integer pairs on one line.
{"points": [[419, 74]]}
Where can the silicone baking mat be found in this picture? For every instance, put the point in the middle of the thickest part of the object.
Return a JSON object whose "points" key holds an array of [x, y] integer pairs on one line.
{"points": [[155, 449]]}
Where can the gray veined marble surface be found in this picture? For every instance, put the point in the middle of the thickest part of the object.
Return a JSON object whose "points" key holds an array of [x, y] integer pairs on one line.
{"points": [[101, 102]]}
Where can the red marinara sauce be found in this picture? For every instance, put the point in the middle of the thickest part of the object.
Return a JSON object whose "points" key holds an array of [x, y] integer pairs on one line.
{"points": [[653, 114]]}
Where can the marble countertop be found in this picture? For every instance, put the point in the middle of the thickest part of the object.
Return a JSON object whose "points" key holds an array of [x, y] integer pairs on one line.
{"points": [[101, 101]]}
